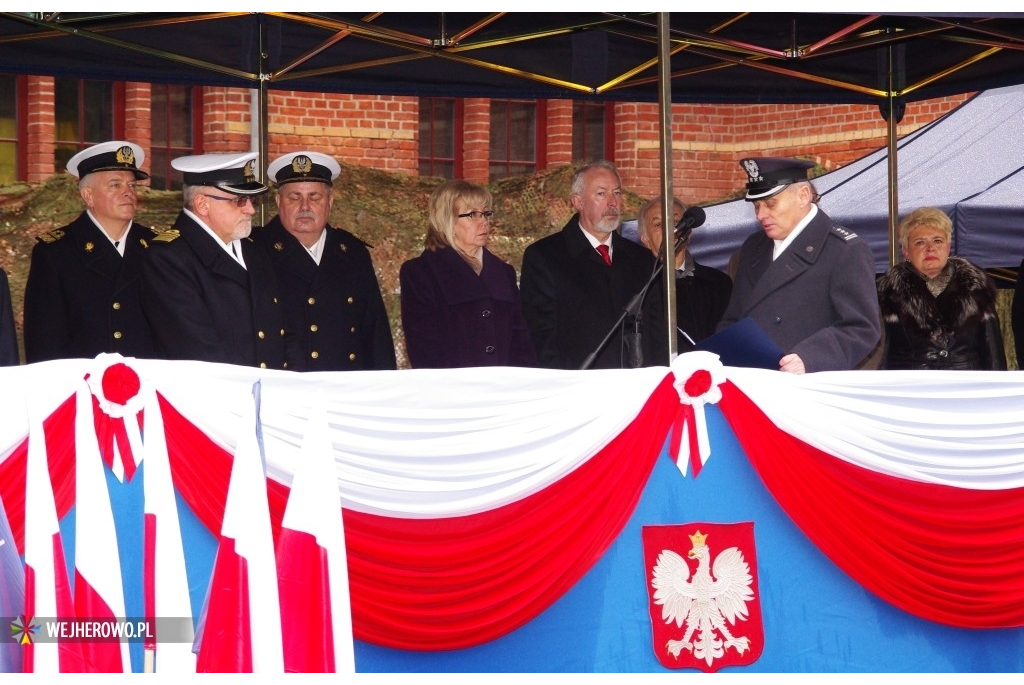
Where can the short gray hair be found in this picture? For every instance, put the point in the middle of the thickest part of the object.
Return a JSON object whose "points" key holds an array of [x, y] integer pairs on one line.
{"points": [[188, 196], [641, 222], [577, 177]]}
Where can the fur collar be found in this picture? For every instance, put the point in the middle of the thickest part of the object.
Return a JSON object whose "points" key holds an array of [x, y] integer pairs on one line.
{"points": [[968, 298]]}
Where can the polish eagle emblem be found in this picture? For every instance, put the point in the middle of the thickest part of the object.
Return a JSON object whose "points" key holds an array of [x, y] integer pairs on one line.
{"points": [[708, 605], [753, 171]]}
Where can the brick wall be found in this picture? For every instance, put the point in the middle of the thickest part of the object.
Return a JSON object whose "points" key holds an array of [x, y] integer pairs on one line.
{"points": [[709, 140], [382, 132], [476, 153], [41, 128], [226, 120], [138, 118], [373, 131], [559, 132]]}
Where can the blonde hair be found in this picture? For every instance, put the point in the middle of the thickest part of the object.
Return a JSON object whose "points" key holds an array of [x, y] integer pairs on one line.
{"points": [[923, 216], [441, 210]]}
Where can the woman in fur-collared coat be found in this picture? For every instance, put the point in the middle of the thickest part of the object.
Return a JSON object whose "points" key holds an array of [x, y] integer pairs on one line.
{"points": [[939, 311]]}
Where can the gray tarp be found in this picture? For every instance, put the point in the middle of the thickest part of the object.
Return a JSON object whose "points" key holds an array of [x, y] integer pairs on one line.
{"points": [[969, 163]]}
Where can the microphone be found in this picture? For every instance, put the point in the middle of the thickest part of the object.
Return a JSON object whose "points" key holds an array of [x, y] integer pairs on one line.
{"points": [[692, 218]]}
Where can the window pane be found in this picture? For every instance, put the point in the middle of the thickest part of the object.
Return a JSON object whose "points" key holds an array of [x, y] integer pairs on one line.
{"points": [[443, 119], [65, 105], [158, 112], [499, 131], [522, 131], [8, 107], [437, 137], [180, 106], [98, 101], [158, 168], [8, 162], [587, 131]]}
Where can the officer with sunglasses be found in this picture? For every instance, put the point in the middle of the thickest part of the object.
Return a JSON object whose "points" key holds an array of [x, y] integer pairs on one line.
{"points": [[210, 294]]}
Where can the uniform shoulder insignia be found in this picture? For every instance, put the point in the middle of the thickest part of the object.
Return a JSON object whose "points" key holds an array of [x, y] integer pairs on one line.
{"points": [[52, 236], [166, 236], [844, 233]]}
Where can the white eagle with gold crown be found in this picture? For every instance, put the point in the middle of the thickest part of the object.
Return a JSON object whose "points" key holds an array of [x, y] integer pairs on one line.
{"points": [[704, 604]]}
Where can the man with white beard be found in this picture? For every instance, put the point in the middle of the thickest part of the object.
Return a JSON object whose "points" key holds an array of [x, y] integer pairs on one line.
{"points": [[210, 294], [576, 283]]}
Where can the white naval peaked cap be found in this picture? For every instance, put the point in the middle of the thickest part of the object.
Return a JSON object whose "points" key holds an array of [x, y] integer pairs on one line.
{"points": [[114, 155], [304, 165], [232, 172]]}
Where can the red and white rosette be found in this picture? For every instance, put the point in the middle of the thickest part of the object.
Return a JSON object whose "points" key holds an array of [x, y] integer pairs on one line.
{"points": [[698, 377], [117, 393]]}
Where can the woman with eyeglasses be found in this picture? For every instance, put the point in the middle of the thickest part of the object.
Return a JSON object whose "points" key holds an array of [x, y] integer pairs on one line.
{"points": [[460, 303]]}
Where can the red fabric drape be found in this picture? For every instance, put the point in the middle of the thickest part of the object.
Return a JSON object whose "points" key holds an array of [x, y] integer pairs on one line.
{"points": [[946, 554], [59, 428], [451, 583]]}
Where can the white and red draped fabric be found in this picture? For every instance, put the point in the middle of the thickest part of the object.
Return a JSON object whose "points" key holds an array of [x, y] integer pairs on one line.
{"points": [[472, 501]]}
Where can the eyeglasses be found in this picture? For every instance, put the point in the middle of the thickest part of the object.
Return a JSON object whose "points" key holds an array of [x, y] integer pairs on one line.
{"points": [[239, 200], [476, 216]]}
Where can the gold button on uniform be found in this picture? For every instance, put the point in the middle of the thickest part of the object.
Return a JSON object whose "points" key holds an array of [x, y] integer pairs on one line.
{"points": [[282, 332], [117, 335], [117, 305], [352, 330], [311, 300], [314, 354], [352, 357], [263, 365], [350, 300], [261, 335], [313, 328]]}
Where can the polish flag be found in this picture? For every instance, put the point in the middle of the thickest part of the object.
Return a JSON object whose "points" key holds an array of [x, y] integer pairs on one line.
{"points": [[47, 590], [165, 584], [313, 571], [242, 631], [99, 594]]}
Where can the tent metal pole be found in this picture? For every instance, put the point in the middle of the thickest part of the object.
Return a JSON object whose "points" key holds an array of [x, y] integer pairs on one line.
{"points": [[892, 120], [260, 120], [668, 243]]}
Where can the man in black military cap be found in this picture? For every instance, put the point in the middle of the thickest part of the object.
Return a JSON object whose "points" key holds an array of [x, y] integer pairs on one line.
{"points": [[210, 293], [82, 295], [329, 289], [809, 283]]}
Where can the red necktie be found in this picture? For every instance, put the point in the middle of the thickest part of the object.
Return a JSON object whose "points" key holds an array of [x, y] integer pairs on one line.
{"points": [[605, 254]]}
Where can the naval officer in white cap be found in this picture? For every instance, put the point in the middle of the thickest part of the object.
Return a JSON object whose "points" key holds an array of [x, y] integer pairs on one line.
{"points": [[82, 296], [330, 293], [210, 292]]}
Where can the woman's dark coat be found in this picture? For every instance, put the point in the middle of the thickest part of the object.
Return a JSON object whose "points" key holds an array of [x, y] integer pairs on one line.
{"points": [[959, 329]]}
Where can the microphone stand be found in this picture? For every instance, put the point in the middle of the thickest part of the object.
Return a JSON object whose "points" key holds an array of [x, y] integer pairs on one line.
{"points": [[633, 339]]}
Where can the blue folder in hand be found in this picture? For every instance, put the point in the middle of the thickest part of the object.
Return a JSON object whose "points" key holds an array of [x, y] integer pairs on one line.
{"points": [[744, 344]]}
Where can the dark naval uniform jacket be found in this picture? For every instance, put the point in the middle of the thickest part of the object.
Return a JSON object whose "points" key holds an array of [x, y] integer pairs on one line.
{"points": [[203, 305], [571, 299], [453, 317], [8, 336], [335, 307], [83, 298], [817, 299]]}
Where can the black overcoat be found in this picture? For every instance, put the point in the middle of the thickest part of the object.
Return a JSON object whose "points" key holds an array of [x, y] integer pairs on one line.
{"points": [[454, 318], [571, 299], [203, 305], [83, 298], [335, 308]]}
